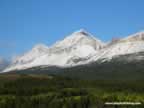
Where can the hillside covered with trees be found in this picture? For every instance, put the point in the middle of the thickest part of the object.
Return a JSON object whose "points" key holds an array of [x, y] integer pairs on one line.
{"points": [[44, 91]]}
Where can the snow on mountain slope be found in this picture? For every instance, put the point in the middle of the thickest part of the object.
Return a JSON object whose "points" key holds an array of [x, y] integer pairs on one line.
{"points": [[79, 38], [36, 52], [78, 48], [21, 61], [79, 44], [139, 36], [131, 44]]}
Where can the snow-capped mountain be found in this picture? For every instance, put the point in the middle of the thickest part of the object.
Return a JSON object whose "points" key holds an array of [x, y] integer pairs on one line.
{"points": [[75, 48], [79, 38], [129, 45]]}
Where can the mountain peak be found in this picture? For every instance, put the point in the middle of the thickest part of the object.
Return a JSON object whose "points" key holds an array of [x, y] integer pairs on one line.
{"points": [[82, 31], [40, 47], [139, 36], [81, 34], [80, 37], [78, 48]]}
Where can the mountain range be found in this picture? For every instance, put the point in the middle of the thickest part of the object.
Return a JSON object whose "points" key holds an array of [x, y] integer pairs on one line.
{"points": [[81, 49]]}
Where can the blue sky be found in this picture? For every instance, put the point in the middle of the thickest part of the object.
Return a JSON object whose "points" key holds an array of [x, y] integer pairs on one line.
{"points": [[24, 23]]}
